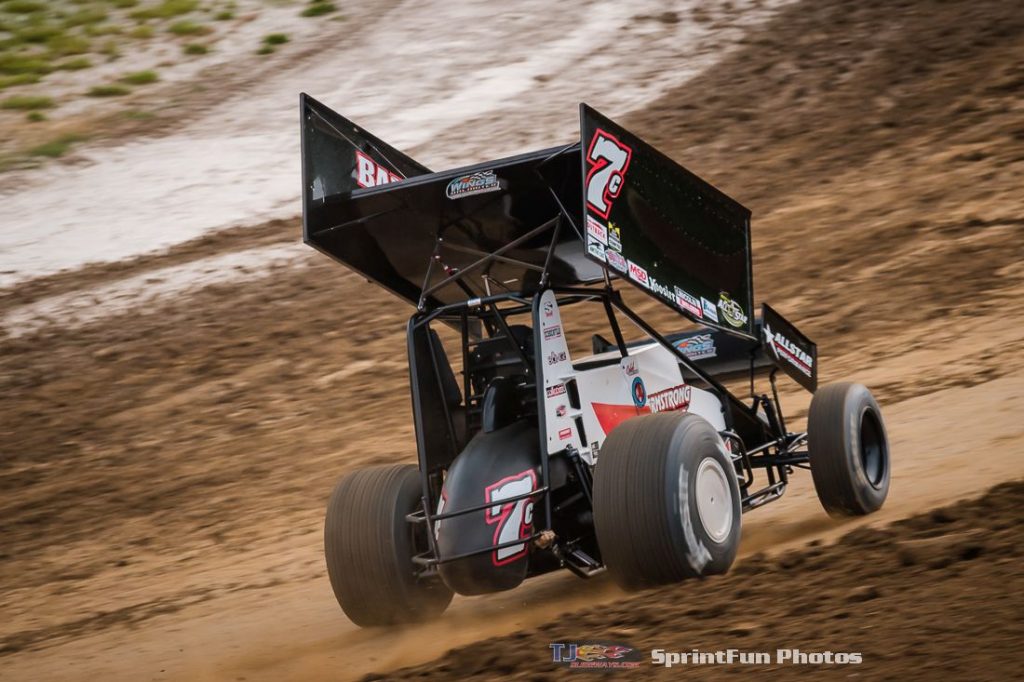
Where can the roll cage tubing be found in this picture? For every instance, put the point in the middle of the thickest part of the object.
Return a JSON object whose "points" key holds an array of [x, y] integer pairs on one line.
{"points": [[486, 310]]}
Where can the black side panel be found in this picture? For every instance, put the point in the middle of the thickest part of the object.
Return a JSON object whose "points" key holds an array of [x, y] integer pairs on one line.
{"points": [[794, 353], [338, 157], [436, 430], [660, 227]]}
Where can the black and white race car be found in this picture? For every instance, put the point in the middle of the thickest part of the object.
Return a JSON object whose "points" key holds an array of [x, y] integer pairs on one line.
{"points": [[534, 453]]}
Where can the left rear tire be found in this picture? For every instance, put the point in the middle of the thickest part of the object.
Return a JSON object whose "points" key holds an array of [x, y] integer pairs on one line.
{"points": [[369, 546]]}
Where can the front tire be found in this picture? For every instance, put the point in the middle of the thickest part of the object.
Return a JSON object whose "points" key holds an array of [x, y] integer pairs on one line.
{"points": [[369, 545], [666, 501], [849, 450]]}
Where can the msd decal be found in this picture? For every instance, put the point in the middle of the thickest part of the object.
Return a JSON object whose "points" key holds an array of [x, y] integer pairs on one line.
{"points": [[638, 274], [369, 173], [608, 160]]}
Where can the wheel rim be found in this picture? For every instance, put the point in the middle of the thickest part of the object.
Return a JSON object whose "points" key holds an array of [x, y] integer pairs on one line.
{"points": [[714, 499], [872, 448]]}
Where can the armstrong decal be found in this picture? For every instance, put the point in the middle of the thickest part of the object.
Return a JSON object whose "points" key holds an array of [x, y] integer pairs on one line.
{"points": [[369, 173], [474, 183], [731, 310], [675, 398]]}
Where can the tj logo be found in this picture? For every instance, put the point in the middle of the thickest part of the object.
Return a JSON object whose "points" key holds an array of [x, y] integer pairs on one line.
{"points": [[594, 655]]}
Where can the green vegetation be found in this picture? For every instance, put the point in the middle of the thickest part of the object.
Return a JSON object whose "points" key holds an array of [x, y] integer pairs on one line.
{"points": [[275, 39], [27, 102], [142, 32], [35, 117], [265, 49], [19, 79], [23, 6], [107, 91], [136, 115], [224, 15], [56, 148], [195, 49], [167, 9], [318, 8], [75, 64], [140, 77], [188, 28]]}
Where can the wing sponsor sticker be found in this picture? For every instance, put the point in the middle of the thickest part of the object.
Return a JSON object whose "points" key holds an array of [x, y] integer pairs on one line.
{"points": [[784, 349], [638, 274], [474, 183], [710, 309], [553, 333], [555, 357], [731, 310], [639, 391], [565, 434], [614, 237], [699, 347], [597, 230], [369, 173], [688, 303], [595, 248]]}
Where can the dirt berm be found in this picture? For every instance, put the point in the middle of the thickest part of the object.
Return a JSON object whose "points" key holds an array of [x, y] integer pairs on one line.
{"points": [[935, 596]]}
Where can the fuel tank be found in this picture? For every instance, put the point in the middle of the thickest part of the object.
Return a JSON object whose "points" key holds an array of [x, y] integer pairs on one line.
{"points": [[494, 466]]}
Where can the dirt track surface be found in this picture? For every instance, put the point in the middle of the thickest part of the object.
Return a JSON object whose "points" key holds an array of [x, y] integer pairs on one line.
{"points": [[164, 468], [906, 597]]}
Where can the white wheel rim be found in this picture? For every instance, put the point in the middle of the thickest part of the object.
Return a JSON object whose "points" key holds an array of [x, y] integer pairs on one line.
{"points": [[714, 499]]}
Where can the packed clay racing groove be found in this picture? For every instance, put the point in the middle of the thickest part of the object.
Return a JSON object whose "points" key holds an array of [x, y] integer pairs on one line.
{"points": [[166, 461]]}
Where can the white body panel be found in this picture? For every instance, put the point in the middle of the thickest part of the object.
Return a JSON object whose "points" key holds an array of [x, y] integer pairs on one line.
{"points": [[648, 380]]}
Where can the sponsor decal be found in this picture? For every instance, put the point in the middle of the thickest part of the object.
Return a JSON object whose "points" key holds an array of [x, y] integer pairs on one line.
{"points": [[638, 274], [595, 248], [556, 356], [553, 332], [709, 308], [688, 303], [556, 390], [607, 162], [639, 392], [616, 260], [561, 410], [565, 434], [675, 398], [630, 367], [512, 520], [595, 655], [597, 231], [614, 237], [549, 309], [662, 290], [474, 183], [731, 310], [369, 173], [699, 347], [784, 349]]}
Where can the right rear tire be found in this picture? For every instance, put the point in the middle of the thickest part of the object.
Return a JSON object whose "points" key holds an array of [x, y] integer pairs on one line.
{"points": [[369, 546], [666, 501]]}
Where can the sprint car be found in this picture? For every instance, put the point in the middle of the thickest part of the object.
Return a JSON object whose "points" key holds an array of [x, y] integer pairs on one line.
{"points": [[557, 427]]}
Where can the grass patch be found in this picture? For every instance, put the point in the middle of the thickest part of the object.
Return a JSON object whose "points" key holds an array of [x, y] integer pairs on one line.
{"points": [[23, 6], [225, 15], [275, 39], [35, 117], [12, 64], [140, 77], [123, 4], [318, 8], [137, 115], [195, 49], [107, 91], [55, 148], [20, 79], [27, 102], [266, 49], [167, 9], [188, 28], [75, 64], [142, 31], [38, 33], [85, 16], [64, 45]]}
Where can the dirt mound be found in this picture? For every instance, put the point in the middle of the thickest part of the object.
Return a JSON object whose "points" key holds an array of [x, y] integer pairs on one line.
{"points": [[907, 597]]}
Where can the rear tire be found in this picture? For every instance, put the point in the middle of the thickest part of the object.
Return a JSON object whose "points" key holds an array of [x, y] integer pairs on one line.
{"points": [[666, 501], [369, 547], [849, 450]]}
